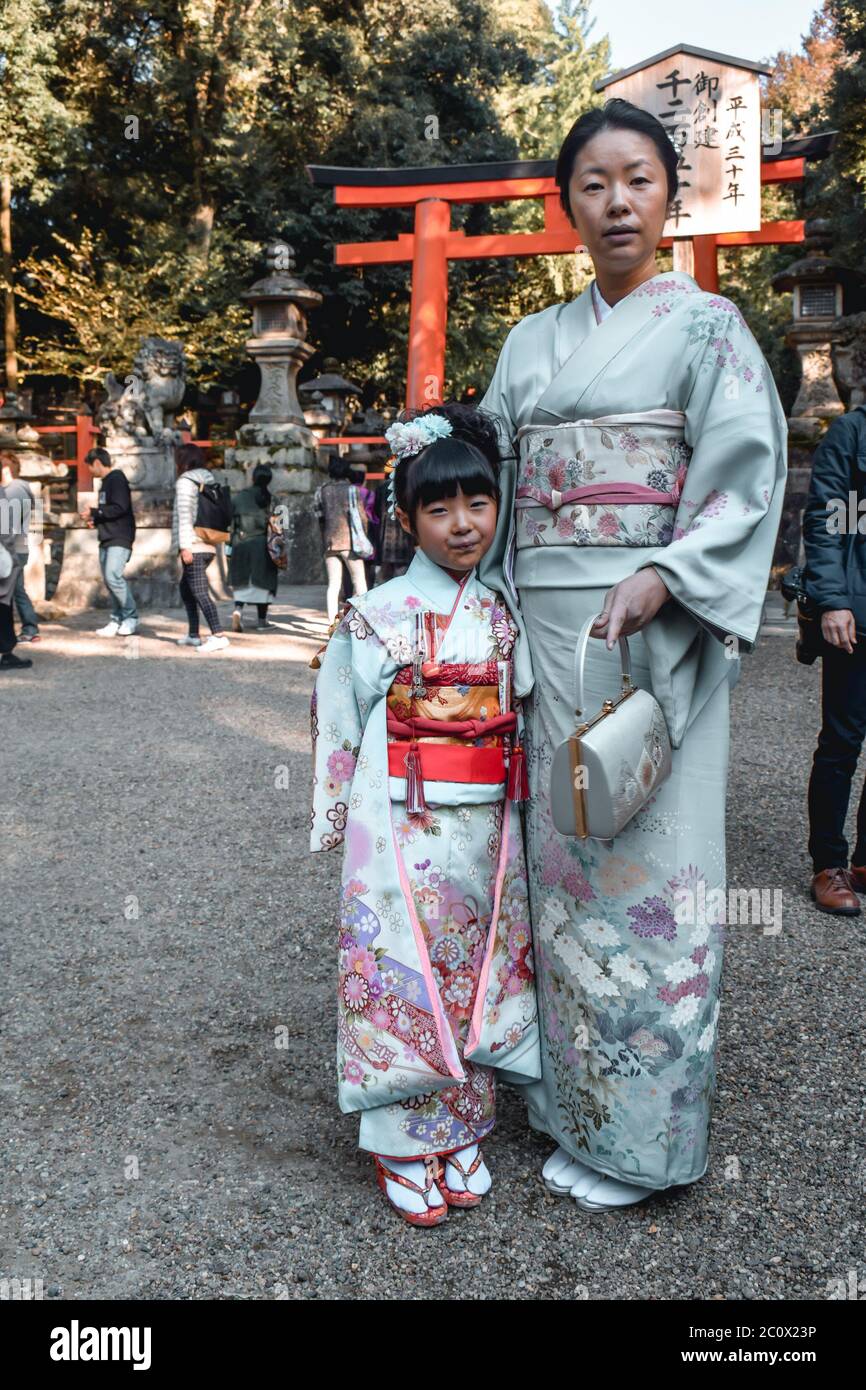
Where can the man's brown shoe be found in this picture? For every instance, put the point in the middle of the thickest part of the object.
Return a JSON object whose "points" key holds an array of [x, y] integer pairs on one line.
{"points": [[857, 878], [832, 891]]}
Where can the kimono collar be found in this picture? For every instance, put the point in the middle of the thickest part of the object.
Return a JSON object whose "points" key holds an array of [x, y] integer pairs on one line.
{"points": [[434, 583], [601, 306], [568, 394]]}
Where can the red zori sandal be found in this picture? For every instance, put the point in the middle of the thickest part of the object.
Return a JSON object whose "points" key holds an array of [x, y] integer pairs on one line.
{"points": [[433, 1216], [464, 1198]]}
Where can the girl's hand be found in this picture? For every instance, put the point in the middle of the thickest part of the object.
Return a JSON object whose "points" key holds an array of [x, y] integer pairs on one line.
{"points": [[186, 557], [630, 605]]}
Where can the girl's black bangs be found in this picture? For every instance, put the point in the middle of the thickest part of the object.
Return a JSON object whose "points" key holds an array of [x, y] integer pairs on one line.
{"points": [[442, 469]]}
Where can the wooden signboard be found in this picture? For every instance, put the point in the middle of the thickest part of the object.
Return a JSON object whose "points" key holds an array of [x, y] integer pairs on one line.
{"points": [[710, 105]]}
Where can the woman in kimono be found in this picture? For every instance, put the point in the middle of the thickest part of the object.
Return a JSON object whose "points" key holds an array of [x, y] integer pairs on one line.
{"points": [[642, 481], [417, 766]]}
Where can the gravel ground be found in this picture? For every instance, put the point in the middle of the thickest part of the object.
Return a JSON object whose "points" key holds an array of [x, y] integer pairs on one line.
{"points": [[170, 1123]]}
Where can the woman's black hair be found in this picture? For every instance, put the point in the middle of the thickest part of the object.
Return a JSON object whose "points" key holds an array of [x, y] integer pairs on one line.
{"points": [[467, 459], [616, 114], [338, 468], [262, 474]]}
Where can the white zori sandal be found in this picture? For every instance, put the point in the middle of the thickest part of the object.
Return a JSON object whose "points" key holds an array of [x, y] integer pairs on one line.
{"points": [[410, 1187]]}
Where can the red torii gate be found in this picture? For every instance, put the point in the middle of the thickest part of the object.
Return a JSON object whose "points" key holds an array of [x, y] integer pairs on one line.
{"points": [[431, 191]]}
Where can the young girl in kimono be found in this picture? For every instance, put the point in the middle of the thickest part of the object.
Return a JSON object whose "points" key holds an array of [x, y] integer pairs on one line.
{"points": [[417, 768]]}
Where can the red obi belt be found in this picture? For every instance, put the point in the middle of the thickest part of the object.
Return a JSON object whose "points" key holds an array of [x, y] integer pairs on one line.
{"points": [[412, 755], [449, 762]]}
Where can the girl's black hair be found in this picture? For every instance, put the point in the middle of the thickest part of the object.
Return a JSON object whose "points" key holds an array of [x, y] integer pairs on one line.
{"points": [[467, 459], [616, 114]]}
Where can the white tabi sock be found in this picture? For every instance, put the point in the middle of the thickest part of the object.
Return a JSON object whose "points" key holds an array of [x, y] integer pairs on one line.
{"points": [[561, 1173], [404, 1197], [478, 1184], [608, 1193]]}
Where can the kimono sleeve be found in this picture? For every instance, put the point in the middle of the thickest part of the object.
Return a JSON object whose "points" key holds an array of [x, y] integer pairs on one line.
{"points": [[498, 401], [336, 732], [718, 562], [494, 570]]}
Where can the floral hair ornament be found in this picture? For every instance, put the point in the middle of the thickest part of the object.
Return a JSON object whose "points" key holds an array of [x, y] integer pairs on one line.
{"points": [[409, 439]]}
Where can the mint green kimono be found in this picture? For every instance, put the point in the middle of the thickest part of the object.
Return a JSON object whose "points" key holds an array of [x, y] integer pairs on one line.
{"points": [[628, 964]]}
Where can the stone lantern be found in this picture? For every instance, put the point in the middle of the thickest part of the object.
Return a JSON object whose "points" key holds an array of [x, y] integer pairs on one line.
{"points": [[334, 390], [318, 417], [822, 290], [280, 302], [820, 287], [276, 432]]}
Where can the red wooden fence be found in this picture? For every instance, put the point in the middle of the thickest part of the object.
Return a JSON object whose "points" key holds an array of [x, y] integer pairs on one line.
{"points": [[84, 429]]}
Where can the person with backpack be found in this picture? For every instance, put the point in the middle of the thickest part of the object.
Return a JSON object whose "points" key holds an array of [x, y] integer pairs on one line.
{"points": [[252, 573], [344, 532], [115, 526], [202, 519], [835, 583]]}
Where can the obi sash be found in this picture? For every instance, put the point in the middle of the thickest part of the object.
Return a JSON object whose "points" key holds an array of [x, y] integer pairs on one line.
{"points": [[455, 729], [615, 480]]}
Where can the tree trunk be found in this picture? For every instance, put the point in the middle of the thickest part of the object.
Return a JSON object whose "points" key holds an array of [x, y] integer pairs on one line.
{"points": [[10, 331], [200, 231]]}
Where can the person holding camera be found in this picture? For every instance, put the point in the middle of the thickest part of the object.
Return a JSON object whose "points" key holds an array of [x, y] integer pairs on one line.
{"points": [[835, 586], [114, 521]]}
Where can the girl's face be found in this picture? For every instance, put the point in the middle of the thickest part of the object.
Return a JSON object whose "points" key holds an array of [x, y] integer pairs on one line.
{"points": [[456, 531], [619, 182]]}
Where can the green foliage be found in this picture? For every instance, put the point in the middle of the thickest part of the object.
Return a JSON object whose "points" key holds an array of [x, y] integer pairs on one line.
{"points": [[179, 135], [156, 147], [32, 118], [838, 186]]}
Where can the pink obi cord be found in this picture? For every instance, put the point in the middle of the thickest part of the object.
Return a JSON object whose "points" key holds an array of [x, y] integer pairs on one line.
{"points": [[613, 494]]}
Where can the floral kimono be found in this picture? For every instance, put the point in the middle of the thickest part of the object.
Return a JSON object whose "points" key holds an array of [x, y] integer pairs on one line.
{"points": [[416, 743], [646, 434]]}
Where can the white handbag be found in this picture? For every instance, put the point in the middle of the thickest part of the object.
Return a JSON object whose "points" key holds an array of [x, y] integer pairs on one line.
{"points": [[6, 562], [612, 763]]}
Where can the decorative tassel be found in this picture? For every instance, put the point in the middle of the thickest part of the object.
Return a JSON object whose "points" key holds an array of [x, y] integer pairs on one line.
{"points": [[518, 782], [415, 803]]}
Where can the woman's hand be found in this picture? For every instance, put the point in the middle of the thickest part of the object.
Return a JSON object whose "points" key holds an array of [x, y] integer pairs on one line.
{"points": [[630, 605], [186, 557]]}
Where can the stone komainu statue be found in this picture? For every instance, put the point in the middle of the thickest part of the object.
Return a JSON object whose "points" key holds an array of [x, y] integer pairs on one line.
{"points": [[144, 404]]}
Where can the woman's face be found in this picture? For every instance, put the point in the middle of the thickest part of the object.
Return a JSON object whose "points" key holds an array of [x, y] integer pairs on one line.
{"points": [[619, 181]]}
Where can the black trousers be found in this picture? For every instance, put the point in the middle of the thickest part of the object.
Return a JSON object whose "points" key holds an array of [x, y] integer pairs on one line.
{"points": [[843, 698], [7, 629]]}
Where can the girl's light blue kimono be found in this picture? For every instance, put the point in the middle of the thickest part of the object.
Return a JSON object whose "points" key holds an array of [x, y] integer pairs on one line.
{"points": [[436, 983]]}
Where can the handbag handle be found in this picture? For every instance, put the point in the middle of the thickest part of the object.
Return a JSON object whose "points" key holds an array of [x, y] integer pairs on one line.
{"points": [[580, 657]]}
